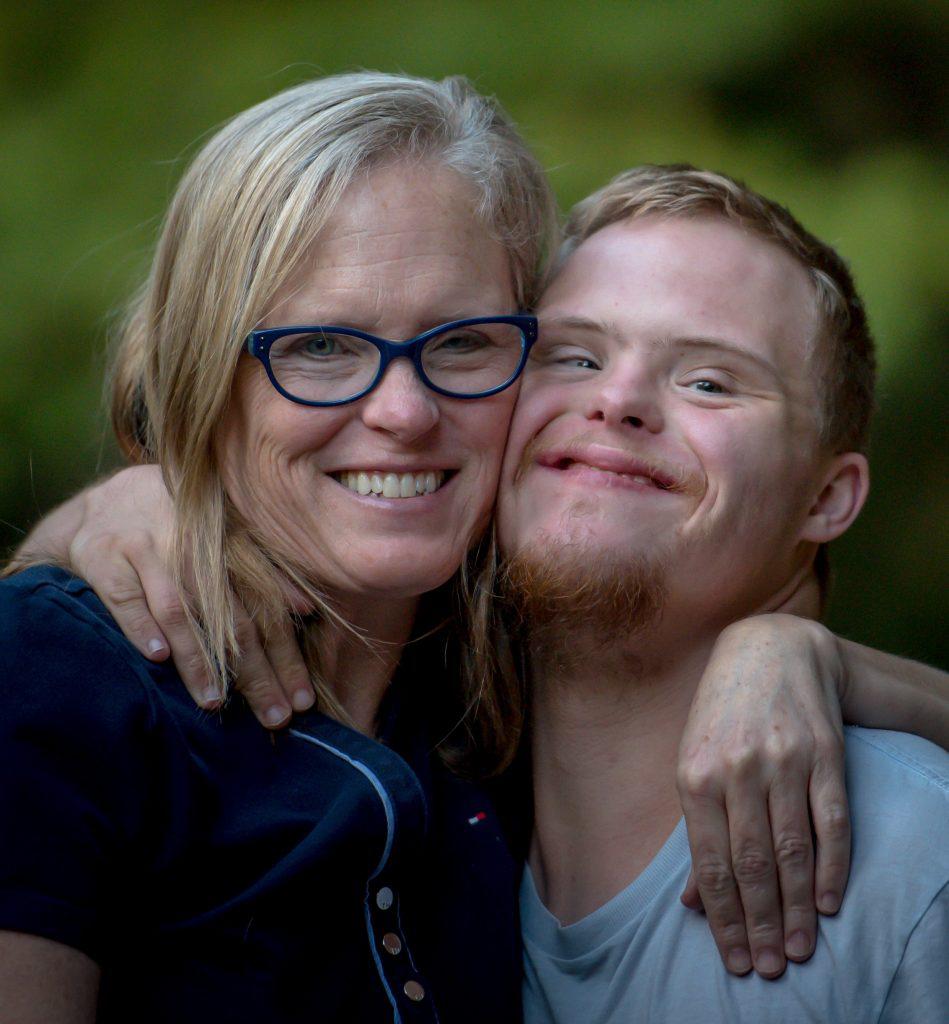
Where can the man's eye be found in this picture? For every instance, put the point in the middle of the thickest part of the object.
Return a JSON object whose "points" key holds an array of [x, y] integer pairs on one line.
{"points": [[706, 386], [563, 356]]}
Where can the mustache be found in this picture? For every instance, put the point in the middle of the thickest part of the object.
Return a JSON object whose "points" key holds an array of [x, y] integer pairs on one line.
{"points": [[677, 478]]}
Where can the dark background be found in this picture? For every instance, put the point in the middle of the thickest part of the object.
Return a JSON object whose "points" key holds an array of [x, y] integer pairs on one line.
{"points": [[835, 109]]}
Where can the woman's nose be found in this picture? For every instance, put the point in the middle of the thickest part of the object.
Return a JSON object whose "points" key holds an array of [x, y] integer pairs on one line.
{"points": [[401, 404]]}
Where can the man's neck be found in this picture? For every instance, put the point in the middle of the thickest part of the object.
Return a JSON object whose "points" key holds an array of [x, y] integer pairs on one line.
{"points": [[605, 738], [607, 720]]}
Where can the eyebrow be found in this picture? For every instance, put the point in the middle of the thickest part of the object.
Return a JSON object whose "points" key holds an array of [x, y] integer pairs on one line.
{"points": [[711, 343]]}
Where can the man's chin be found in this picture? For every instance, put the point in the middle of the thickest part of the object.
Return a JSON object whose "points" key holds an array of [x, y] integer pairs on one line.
{"points": [[558, 591]]}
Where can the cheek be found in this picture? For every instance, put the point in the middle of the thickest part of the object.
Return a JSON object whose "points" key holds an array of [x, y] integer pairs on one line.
{"points": [[265, 445], [754, 479]]}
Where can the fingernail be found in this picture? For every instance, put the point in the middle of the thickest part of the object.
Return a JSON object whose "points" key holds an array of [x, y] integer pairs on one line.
{"points": [[275, 715], [829, 903], [211, 697], [302, 700], [768, 962], [799, 944], [738, 961], [156, 646]]}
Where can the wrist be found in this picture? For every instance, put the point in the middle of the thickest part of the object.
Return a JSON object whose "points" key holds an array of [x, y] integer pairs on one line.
{"points": [[793, 636]]}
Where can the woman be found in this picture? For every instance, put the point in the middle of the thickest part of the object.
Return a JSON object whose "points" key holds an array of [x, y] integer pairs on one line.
{"points": [[170, 866]]}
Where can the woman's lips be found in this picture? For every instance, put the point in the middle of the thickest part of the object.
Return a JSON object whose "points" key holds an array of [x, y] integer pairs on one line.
{"points": [[385, 484]]}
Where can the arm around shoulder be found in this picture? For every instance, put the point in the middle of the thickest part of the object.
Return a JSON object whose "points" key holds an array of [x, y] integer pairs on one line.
{"points": [[882, 691]]}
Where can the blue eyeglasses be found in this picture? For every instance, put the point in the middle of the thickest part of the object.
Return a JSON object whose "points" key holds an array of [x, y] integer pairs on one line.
{"points": [[326, 366]]}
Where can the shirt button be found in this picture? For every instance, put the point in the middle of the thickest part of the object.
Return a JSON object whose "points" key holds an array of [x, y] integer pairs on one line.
{"points": [[384, 898], [414, 991], [391, 943]]}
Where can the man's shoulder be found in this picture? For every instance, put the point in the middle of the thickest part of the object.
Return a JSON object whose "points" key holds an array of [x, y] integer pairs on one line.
{"points": [[898, 787], [906, 767]]}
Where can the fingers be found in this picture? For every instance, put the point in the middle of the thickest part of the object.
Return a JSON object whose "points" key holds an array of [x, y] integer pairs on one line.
{"points": [[121, 590], [286, 659], [794, 855], [690, 896], [169, 612], [831, 817], [274, 682], [753, 862], [712, 872]]}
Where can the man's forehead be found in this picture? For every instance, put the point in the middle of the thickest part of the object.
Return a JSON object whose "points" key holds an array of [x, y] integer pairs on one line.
{"points": [[666, 274]]}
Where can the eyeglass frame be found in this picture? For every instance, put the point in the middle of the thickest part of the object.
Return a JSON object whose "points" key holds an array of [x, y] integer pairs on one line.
{"points": [[258, 344]]}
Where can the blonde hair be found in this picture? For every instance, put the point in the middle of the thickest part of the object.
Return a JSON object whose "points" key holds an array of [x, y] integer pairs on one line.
{"points": [[846, 362], [243, 215]]}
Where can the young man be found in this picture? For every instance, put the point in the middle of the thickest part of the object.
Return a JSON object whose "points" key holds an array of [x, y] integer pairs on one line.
{"points": [[690, 435]]}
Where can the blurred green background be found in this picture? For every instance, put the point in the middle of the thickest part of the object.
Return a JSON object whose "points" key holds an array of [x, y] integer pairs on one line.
{"points": [[835, 109]]}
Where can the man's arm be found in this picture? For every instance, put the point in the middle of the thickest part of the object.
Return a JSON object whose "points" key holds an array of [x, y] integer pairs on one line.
{"points": [[45, 982], [882, 691], [49, 540], [117, 535], [765, 731]]}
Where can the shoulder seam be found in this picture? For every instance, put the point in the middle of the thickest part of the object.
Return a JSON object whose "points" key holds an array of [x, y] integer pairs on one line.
{"points": [[907, 760]]}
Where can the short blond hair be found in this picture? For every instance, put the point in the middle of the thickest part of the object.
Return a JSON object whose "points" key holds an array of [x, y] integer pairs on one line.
{"points": [[243, 215], [846, 363]]}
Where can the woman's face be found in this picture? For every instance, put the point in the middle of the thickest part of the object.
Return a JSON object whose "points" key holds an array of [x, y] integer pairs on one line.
{"points": [[403, 253]]}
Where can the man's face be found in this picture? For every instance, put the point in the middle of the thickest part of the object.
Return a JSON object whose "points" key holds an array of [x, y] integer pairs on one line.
{"points": [[671, 406]]}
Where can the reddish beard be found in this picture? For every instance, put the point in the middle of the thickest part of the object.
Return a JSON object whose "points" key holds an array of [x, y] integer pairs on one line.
{"points": [[554, 595]]}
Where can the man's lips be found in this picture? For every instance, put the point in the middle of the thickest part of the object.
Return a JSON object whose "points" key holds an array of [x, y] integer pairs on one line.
{"points": [[616, 461]]}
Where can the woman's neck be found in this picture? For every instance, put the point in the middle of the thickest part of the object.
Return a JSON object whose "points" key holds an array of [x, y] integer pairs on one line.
{"points": [[358, 660]]}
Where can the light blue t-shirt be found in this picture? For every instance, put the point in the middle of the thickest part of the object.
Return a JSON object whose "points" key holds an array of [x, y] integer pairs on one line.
{"points": [[643, 957]]}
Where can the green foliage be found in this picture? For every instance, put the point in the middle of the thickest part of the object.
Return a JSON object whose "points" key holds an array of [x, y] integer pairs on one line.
{"points": [[835, 108]]}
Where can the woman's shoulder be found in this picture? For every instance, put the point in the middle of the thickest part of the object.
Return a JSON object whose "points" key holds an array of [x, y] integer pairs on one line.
{"points": [[61, 653]]}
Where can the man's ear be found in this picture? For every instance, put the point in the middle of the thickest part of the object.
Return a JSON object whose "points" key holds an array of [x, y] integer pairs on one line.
{"points": [[846, 484]]}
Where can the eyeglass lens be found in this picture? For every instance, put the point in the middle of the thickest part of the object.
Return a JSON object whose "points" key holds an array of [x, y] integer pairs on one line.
{"points": [[321, 366]]}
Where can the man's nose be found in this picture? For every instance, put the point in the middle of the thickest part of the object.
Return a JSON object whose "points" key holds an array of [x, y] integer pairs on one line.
{"points": [[626, 399], [400, 404]]}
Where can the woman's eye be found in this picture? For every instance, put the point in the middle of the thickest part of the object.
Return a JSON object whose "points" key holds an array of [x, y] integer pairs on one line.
{"points": [[320, 345], [460, 342]]}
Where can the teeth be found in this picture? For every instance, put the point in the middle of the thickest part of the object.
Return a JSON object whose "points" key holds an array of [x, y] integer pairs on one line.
{"points": [[392, 485]]}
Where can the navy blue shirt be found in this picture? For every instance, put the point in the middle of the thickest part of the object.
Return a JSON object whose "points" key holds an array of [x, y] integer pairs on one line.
{"points": [[217, 872]]}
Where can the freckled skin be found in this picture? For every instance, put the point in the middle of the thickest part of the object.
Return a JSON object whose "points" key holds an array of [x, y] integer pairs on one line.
{"points": [[737, 416], [402, 253]]}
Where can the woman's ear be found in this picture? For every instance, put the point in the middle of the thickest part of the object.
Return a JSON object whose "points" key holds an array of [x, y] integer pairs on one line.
{"points": [[846, 483]]}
